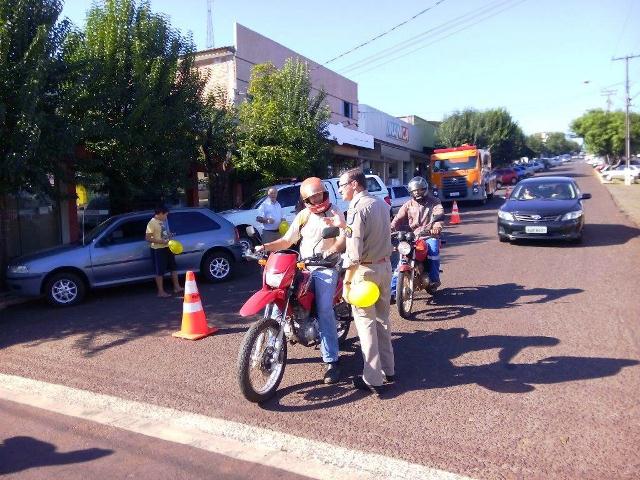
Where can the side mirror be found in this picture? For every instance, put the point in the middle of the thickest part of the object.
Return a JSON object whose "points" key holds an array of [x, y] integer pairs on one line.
{"points": [[585, 196], [250, 231], [330, 232]]}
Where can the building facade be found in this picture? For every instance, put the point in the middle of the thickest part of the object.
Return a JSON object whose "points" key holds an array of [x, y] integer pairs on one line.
{"points": [[400, 147], [229, 71]]}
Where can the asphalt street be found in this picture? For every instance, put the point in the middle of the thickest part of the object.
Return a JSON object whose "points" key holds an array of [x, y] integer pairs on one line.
{"points": [[524, 365]]}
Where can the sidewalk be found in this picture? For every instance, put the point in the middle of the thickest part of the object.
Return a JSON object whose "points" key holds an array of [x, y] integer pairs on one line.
{"points": [[627, 197]]}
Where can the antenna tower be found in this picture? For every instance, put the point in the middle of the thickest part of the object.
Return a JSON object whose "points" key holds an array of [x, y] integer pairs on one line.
{"points": [[209, 23]]}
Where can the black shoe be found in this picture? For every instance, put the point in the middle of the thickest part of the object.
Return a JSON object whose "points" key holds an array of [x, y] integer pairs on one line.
{"points": [[360, 384], [393, 300], [389, 378], [332, 375]]}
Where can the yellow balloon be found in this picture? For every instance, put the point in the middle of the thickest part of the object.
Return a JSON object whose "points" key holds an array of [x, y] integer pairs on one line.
{"points": [[364, 294], [176, 247], [283, 227]]}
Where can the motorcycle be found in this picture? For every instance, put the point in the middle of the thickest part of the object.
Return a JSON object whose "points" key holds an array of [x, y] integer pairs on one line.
{"points": [[411, 274], [286, 283]]}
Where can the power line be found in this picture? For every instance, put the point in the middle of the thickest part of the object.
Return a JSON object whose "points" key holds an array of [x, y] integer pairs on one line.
{"points": [[384, 33], [478, 19], [442, 27], [627, 142], [210, 24]]}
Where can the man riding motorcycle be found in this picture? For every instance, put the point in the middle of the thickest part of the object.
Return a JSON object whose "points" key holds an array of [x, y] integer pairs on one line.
{"points": [[423, 214], [307, 226]]}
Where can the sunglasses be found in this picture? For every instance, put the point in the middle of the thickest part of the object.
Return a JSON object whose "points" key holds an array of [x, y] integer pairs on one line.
{"points": [[325, 196], [341, 185]]}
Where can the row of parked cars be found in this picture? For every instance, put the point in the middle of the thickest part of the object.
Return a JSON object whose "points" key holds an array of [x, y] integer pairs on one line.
{"points": [[610, 172]]}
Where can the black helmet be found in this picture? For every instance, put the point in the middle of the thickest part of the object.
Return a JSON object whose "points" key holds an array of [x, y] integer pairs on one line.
{"points": [[418, 188]]}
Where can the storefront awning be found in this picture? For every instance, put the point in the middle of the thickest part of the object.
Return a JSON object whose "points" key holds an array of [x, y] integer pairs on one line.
{"points": [[341, 135]]}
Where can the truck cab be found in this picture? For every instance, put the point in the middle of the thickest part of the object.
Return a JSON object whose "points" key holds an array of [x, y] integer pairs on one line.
{"points": [[462, 174]]}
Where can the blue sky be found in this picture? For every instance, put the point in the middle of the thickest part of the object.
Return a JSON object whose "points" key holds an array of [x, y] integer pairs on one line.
{"points": [[531, 57]]}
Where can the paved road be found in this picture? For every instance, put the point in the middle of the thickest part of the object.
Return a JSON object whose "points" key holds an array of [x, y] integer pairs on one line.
{"points": [[524, 365], [38, 444]]}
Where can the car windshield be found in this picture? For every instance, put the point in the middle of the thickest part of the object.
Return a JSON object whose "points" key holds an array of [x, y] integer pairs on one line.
{"points": [[454, 164], [545, 191], [93, 234], [254, 200]]}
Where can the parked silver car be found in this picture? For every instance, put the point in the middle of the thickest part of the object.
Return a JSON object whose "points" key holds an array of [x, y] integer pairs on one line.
{"points": [[116, 252], [399, 196]]}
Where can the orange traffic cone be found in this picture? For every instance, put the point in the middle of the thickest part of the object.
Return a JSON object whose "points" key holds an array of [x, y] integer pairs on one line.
{"points": [[194, 322], [455, 215]]}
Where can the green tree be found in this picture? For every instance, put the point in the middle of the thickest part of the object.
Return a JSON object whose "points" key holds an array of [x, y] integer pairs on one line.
{"points": [[219, 138], [604, 132], [283, 127], [493, 129], [34, 137], [557, 144], [536, 145], [136, 98]]}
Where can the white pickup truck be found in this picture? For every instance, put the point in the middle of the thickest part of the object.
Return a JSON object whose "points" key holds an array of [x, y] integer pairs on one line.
{"points": [[288, 195]]}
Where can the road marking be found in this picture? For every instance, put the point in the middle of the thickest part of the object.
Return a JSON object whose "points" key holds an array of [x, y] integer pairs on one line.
{"points": [[298, 455]]}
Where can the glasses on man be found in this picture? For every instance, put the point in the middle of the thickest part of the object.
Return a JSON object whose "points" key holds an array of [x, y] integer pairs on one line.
{"points": [[317, 198], [342, 185]]}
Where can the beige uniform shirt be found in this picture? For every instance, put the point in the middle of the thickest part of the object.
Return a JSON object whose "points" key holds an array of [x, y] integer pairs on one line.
{"points": [[308, 227], [368, 231]]}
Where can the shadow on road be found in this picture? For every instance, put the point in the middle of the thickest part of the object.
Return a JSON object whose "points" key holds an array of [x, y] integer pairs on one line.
{"points": [[452, 303], [113, 317], [427, 362], [594, 235], [21, 453]]}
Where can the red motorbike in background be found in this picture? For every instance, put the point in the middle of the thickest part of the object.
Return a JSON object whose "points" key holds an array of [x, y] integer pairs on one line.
{"points": [[286, 283], [411, 274]]}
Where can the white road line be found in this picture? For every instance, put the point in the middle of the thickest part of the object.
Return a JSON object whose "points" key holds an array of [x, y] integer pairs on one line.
{"points": [[298, 455]]}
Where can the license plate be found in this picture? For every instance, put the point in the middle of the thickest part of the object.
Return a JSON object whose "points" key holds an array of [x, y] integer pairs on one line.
{"points": [[454, 194], [535, 229]]}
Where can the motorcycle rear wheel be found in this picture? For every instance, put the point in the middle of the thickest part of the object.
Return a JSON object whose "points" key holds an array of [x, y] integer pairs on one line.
{"points": [[260, 369], [405, 292]]}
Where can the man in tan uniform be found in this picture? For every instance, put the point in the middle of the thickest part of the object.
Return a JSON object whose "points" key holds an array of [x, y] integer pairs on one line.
{"points": [[368, 248]]}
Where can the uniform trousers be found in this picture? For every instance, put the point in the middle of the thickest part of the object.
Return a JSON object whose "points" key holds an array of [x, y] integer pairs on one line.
{"points": [[373, 325]]}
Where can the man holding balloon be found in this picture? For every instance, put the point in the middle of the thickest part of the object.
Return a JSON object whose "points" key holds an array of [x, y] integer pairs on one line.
{"points": [[368, 277], [162, 254]]}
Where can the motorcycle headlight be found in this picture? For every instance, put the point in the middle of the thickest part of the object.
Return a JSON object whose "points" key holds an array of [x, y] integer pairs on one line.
{"points": [[572, 215], [274, 279], [18, 269], [404, 248], [506, 216]]}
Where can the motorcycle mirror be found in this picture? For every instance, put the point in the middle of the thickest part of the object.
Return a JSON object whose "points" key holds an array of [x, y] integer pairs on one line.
{"points": [[250, 231], [330, 232]]}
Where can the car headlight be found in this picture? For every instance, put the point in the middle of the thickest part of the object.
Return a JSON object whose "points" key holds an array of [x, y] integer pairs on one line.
{"points": [[404, 248], [506, 216], [18, 269], [572, 215]]}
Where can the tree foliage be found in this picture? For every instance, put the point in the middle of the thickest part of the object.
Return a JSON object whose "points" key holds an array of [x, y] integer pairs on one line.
{"points": [[283, 126], [135, 97], [218, 139], [556, 143], [493, 129], [34, 137], [604, 132]]}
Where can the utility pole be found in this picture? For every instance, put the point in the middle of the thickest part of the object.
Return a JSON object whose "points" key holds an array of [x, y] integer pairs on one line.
{"points": [[209, 23], [608, 93], [627, 139]]}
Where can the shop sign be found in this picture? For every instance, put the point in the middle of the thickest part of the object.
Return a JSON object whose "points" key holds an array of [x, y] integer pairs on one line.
{"points": [[397, 131]]}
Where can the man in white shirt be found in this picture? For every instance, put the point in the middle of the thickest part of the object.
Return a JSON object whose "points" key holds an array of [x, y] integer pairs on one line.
{"points": [[270, 215]]}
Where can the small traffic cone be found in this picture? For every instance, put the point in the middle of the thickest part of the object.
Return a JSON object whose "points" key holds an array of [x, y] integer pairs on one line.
{"points": [[194, 322], [455, 215]]}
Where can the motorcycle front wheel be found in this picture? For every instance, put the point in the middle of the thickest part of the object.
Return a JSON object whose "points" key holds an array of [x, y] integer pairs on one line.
{"points": [[260, 365], [404, 295]]}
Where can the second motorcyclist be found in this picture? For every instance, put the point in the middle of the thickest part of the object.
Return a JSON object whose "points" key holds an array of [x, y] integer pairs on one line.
{"points": [[307, 228], [423, 215]]}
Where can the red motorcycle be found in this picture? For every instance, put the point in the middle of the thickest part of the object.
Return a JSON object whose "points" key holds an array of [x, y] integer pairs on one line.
{"points": [[286, 283], [411, 274]]}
